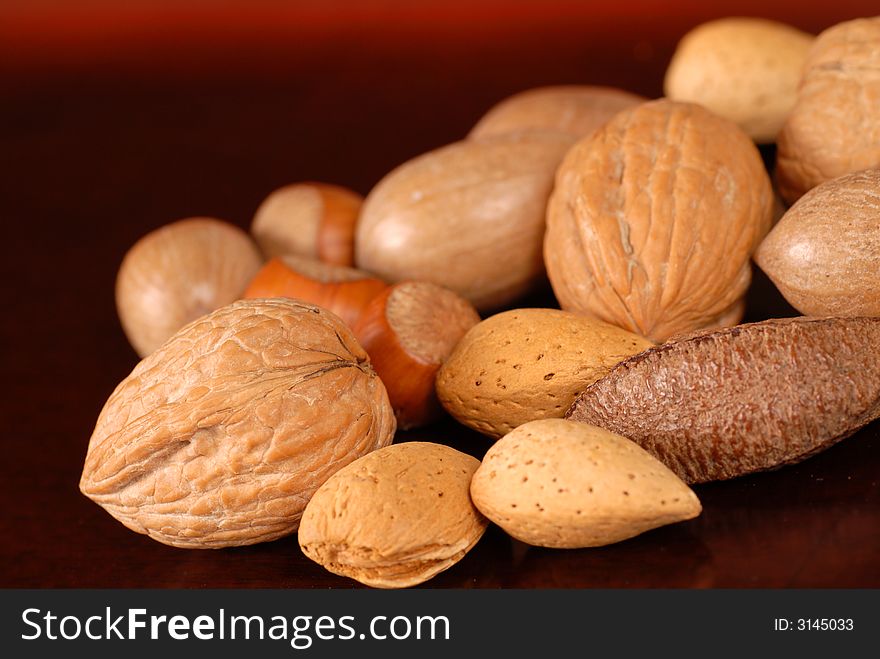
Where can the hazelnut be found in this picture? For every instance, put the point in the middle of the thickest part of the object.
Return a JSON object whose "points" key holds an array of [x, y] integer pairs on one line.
{"points": [[178, 273], [316, 220]]}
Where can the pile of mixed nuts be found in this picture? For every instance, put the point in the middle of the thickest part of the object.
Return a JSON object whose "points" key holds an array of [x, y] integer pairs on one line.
{"points": [[277, 366]]}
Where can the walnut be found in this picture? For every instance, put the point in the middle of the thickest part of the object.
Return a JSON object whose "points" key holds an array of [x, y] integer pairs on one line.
{"points": [[653, 221], [220, 437], [834, 128]]}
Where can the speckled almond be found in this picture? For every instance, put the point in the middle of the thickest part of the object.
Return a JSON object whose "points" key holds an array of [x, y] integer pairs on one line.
{"points": [[834, 127], [824, 255], [396, 517], [654, 219], [559, 483], [527, 364], [221, 436], [743, 399]]}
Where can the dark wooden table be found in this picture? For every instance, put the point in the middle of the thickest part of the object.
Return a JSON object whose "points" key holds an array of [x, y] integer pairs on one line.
{"points": [[103, 138]]}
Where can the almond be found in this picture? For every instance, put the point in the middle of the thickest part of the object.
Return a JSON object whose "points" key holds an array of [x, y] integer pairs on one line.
{"points": [[528, 364], [396, 517], [558, 483]]}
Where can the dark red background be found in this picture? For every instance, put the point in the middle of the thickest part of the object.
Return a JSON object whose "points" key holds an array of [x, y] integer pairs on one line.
{"points": [[116, 118]]}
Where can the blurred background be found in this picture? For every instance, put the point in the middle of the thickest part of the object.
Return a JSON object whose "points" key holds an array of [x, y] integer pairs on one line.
{"points": [[119, 117], [140, 112], [226, 99]]}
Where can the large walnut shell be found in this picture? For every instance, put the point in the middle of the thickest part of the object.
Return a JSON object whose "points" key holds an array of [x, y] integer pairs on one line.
{"points": [[221, 436], [653, 221], [824, 255], [834, 127], [743, 399]]}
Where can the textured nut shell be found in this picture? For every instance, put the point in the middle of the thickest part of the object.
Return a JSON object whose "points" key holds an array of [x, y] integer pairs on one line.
{"points": [[743, 399], [653, 220], [743, 69], [575, 110], [468, 216], [528, 364], [396, 517], [558, 483], [824, 255], [220, 437], [179, 272], [834, 128]]}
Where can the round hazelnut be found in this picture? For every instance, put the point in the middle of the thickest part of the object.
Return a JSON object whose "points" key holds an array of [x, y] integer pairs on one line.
{"points": [[178, 273]]}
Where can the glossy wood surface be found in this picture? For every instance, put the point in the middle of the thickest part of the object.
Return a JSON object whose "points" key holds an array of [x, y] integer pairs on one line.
{"points": [[102, 143]]}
